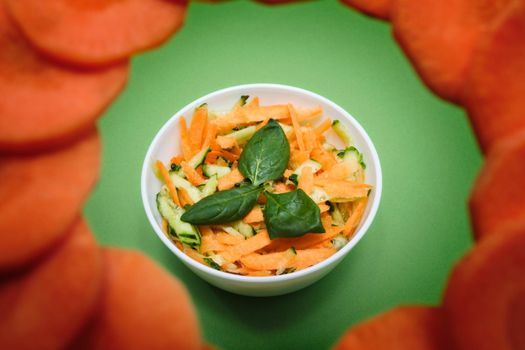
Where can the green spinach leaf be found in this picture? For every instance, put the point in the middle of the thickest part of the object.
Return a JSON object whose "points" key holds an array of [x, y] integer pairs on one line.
{"points": [[266, 155], [291, 214], [223, 207]]}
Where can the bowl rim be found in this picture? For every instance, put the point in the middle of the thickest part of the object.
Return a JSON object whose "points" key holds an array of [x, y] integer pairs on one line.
{"points": [[374, 205]]}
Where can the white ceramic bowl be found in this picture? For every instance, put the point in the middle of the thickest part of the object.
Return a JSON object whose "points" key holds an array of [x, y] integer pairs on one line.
{"points": [[166, 144]]}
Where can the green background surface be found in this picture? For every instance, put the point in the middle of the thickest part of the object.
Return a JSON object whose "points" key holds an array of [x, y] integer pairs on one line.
{"points": [[428, 153]]}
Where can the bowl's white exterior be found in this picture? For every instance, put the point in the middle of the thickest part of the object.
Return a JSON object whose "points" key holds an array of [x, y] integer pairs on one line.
{"points": [[166, 144]]}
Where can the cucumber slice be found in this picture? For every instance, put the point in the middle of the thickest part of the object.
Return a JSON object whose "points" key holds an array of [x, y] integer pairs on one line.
{"points": [[209, 170], [179, 182], [311, 163], [337, 216], [319, 195], [210, 187], [230, 230], [198, 159], [342, 131], [352, 154], [185, 232], [339, 241], [242, 136], [244, 229]]}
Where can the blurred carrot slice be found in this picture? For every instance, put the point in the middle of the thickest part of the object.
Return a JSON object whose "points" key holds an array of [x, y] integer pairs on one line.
{"points": [[485, 296], [497, 200], [46, 306], [494, 90], [142, 307], [41, 196], [375, 8], [402, 328], [43, 104], [89, 33], [439, 38]]}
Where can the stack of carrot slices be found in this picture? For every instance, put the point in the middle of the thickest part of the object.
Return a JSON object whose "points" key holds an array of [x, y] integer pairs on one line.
{"points": [[471, 53], [61, 64]]}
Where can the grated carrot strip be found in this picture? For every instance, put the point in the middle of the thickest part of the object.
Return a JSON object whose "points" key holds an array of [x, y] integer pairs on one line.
{"points": [[187, 149], [192, 175], [167, 180], [297, 127]]}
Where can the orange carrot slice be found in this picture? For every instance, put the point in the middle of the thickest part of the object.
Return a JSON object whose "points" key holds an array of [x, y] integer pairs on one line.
{"points": [[227, 239], [70, 173], [306, 180], [250, 245], [485, 294], [440, 38], [309, 240], [191, 174], [402, 328], [229, 180], [323, 127], [187, 149], [210, 243], [296, 127], [44, 105], [97, 33], [346, 191], [355, 218], [255, 215], [53, 300], [198, 127], [156, 312], [226, 142], [498, 197], [375, 8], [272, 261], [185, 197], [496, 112], [167, 180]]}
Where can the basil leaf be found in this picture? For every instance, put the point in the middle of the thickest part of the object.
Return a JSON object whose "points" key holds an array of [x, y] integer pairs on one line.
{"points": [[266, 155], [291, 214], [223, 207]]}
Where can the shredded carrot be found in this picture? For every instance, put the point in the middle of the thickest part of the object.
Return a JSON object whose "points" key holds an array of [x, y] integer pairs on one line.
{"points": [[306, 180], [164, 226], [211, 133], [184, 195], [198, 170], [252, 244], [354, 219], [323, 127], [296, 127], [227, 239], [303, 259], [205, 230], [225, 141], [255, 215], [213, 155], [167, 180], [187, 149], [198, 126], [228, 181], [193, 177]]}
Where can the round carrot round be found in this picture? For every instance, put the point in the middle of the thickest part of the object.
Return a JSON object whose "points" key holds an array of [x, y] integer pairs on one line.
{"points": [[91, 33], [402, 328], [485, 296], [493, 93], [43, 104], [498, 197], [440, 37], [46, 306], [42, 195], [142, 307]]}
